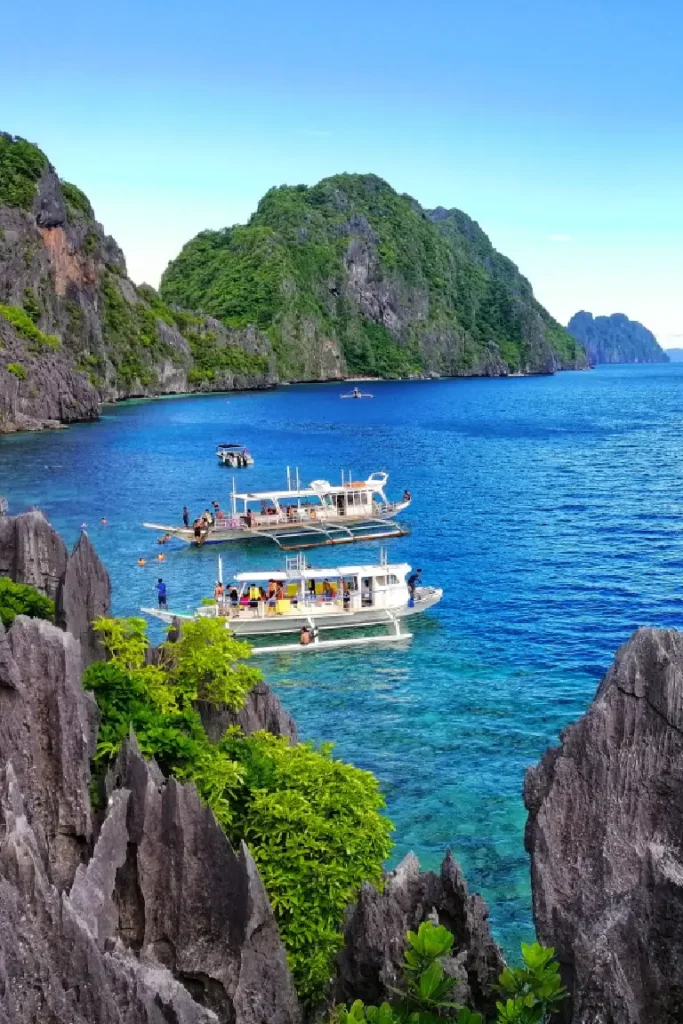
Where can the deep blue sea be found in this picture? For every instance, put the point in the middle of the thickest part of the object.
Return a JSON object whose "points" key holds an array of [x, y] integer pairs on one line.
{"points": [[548, 508]]}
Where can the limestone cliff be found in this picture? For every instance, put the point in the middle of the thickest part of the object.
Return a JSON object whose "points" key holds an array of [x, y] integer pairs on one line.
{"points": [[615, 339], [74, 329], [348, 277], [605, 834]]}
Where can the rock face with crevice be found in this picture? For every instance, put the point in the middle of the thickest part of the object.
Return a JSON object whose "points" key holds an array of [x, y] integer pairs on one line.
{"points": [[262, 710], [605, 834], [33, 553], [153, 918], [369, 966]]}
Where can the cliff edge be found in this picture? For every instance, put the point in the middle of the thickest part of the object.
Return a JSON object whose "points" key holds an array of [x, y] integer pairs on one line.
{"points": [[605, 834]]}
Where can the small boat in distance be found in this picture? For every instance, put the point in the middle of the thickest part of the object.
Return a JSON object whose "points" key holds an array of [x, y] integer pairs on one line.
{"points": [[306, 600], [357, 394], [235, 456], [301, 517]]}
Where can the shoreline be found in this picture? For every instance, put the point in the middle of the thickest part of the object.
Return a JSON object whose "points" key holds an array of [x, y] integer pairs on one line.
{"points": [[48, 426]]}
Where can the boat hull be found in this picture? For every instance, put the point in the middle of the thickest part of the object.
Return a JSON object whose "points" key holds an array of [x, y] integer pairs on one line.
{"points": [[307, 533], [246, 624]]}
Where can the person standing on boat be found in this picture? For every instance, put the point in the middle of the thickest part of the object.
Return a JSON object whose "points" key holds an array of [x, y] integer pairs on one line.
{"points": [[186, 517], [161, 593], [413, 582], [219, 595]]}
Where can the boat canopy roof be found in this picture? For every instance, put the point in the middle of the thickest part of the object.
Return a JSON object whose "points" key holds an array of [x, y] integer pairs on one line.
{"points": [[236, 447], [399, 569]]}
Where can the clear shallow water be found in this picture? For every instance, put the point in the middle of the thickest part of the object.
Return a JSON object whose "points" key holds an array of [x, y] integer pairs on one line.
{"points": [[548, 509]]}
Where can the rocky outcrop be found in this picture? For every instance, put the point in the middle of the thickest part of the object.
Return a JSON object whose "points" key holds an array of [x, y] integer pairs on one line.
{"points": [[188, 901], [605, 834], [85, 595], [159, 919], [615, 339], [262, 710], [349, 277], [369, 966], [31, 552], [75, 330], [48, 726]]}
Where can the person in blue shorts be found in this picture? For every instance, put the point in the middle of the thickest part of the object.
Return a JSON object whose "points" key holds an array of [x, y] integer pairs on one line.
{"points": [[161, 593]]}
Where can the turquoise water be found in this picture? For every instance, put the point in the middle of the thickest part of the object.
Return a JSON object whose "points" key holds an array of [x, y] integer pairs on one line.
{"points": [[548, 508]]}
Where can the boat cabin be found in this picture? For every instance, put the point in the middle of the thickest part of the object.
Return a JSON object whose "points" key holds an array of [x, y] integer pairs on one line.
{"points": [[359, 499], [348, 587]]}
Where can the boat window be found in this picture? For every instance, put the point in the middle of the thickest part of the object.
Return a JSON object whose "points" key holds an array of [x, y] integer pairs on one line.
{"points": [[392, 580], [381, 581]]}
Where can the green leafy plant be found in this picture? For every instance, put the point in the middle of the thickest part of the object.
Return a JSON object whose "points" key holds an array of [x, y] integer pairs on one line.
{"points": [[534, 990], [17, 370], [313, 823], [76, 201], [21, 167], [24, 325], [21, 599]]}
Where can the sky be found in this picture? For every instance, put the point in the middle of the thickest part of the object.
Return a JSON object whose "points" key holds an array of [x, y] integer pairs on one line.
{"points": [[558, 126]]}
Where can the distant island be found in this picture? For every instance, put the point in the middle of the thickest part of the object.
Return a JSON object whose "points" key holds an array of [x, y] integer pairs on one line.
{"points": [[675, 354], [615, 339]]}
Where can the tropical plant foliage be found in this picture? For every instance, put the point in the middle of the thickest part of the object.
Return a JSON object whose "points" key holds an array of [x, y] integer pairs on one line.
{"points": [[20, 599], [21, 166], [428, 994], [22, 321], [312, 823]]}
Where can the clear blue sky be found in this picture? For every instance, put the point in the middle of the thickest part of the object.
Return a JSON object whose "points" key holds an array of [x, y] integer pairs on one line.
{"points": [[557, 125]]}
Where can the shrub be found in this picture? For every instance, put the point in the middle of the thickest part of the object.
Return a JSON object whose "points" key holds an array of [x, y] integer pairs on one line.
{"points": [[24, 325], [76, 201], [17, 370], [426, 996], [313, 826], [20, 599], [312, 823], [21, 166]]}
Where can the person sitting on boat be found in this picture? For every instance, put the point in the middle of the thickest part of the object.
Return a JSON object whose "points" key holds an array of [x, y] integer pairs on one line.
{"points": [[413, 582], [406, 495]]}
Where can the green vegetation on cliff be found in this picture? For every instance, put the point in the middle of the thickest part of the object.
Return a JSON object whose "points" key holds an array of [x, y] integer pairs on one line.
{"points": [[21, 166], [21, 599], [312, 823], [24, 325], [351, 263]]}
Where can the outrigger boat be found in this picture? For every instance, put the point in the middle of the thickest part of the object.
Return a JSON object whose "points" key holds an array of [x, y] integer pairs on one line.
{"points": [[305, 600], [234, 455], [357, 394], [302, 517]]}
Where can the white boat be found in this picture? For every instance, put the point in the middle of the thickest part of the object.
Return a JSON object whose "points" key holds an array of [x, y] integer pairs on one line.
{"points": [[357, 394], [236, 456], [304, 600], [300, 517]]}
